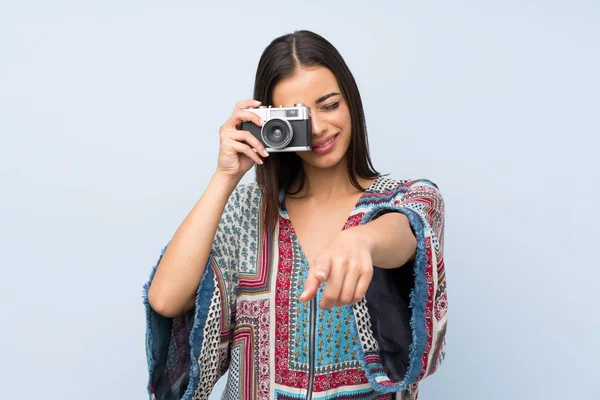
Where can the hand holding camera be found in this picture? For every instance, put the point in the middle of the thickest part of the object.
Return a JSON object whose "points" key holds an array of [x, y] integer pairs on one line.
{"points": [[239, 149], [263, 130]]}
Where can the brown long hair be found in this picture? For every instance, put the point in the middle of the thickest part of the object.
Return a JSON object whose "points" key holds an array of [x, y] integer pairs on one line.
{"points": [[280, 60]]}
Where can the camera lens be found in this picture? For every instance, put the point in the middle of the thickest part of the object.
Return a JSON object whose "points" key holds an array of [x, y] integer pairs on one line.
{"points": [[277, 133]]}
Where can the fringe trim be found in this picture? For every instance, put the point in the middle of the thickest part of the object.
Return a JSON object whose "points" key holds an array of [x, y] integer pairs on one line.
{"points": [[149, 335], [203, 298], [418, 298]]}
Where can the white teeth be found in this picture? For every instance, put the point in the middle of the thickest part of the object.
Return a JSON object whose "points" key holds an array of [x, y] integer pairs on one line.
{"points": [[327, 142]]}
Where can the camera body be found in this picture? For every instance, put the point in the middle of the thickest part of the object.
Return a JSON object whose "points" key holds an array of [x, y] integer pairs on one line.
{"points": [[284, 128]]}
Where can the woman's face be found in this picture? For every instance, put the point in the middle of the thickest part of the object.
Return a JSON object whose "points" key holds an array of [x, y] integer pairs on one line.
{"points": [[318, 89]]}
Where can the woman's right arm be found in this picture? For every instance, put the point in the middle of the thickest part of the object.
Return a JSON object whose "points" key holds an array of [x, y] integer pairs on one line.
{"points": [[174, 286]]}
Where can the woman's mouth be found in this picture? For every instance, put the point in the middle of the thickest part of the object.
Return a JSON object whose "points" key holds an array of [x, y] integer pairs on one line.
{"points": [[327, 146]]}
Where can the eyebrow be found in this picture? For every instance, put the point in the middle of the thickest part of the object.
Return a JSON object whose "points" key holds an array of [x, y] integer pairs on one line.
{"points": [[323, 98]]}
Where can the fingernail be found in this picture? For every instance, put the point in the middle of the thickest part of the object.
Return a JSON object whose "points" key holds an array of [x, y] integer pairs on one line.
{"points": [[303, 294], [260, 162], [265, 153], [321, 274]]}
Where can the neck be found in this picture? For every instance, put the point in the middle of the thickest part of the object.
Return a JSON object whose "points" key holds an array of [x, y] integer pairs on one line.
{"points": [[326, 183]]}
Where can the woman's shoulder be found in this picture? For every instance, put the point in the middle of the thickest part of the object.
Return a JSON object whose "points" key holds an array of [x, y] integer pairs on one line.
{"points": [[394, 188], [248, 196], [386, 183], [248, 190]]}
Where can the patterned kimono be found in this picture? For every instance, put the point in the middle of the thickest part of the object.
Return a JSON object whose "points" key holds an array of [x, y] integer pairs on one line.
{"points": [[248, 320]]}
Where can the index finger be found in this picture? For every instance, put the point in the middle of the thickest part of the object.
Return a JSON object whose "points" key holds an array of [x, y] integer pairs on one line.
{"points": [[240, 116], [315, 276], [310, 287], [242, 105]]}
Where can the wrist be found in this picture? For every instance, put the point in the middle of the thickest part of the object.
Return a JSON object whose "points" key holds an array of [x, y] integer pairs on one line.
{"points": [[224, 182], [366, 236]]}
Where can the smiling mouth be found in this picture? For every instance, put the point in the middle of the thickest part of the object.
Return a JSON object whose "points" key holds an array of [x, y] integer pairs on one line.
{"points": [[327, 142]]}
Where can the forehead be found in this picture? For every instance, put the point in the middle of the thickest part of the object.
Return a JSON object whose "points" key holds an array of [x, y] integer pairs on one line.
{"points": [[305, 86]]}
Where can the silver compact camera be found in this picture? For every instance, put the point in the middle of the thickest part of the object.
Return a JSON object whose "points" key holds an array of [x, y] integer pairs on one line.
{"points": [[284, 128]]}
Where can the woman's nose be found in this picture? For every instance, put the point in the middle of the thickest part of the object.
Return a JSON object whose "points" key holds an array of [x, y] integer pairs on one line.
{"points": [[318, 126]]}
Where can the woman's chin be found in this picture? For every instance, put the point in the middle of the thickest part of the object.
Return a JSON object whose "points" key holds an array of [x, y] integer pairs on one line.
{"points": [[321, 160]]}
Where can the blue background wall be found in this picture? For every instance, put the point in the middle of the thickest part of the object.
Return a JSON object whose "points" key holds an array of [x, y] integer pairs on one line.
{"points": [[109, 114]]}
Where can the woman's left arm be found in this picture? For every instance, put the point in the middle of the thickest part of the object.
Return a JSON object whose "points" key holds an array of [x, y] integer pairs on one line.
{"points": [[347, 263], [389, 239]]}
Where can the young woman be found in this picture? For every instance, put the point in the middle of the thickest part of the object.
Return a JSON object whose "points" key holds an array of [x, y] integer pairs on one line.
{"points": [[237, 287]]}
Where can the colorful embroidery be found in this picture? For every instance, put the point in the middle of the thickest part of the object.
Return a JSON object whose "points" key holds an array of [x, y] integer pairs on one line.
{"points": [[248, 318]]}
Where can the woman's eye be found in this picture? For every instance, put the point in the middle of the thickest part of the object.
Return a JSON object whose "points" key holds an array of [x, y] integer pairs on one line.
{"points": [[331, 106]]}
